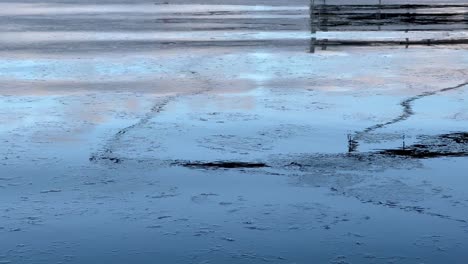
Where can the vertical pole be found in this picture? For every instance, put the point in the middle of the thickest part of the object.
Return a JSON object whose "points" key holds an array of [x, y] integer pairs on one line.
{"points": [[313, 40], [324, 44]]}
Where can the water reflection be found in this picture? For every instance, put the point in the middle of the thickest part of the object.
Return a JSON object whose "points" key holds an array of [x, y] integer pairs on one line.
{"points": [[325, 43], [379, 15], [430, 24]]}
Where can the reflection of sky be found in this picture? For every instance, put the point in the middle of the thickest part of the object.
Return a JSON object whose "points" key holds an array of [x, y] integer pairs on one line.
{"points": [[260, 63], [212, 36], [26, 112], [256, 66], [73, 119], [328, 119], [392, 69], [76, 69], [54, 9]]}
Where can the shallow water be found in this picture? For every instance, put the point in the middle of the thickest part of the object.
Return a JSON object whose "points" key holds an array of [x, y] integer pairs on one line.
{"points": [[123, 151]]}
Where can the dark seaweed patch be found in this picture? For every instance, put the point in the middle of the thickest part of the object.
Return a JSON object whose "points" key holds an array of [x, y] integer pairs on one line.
{"points": [[421, 154], [95, 158], [460, 138], [446, 145], [222, 165]]}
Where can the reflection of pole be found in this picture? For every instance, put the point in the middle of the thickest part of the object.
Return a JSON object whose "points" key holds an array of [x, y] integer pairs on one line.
{"points": [[318, 17], [408, 19], [465, 18], [379, 15], [313, 28], [316, 13], [325, 16]]}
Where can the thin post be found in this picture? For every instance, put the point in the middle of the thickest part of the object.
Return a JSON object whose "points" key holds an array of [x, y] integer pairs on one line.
{"points": [[313, 41], [324, 44]]}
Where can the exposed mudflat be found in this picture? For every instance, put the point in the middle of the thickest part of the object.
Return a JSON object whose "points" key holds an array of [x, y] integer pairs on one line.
{"points": [[201, 132]]}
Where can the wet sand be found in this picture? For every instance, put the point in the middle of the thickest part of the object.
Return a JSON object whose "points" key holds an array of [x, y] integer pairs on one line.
{"points": [[143, 133]]}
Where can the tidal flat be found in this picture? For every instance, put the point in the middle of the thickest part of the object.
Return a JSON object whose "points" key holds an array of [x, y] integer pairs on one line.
{"points": [[222, 132]]}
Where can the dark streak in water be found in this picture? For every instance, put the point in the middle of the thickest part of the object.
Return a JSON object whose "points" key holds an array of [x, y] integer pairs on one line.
{"points": [[108, 150], [222, 165], [408, 111]]}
